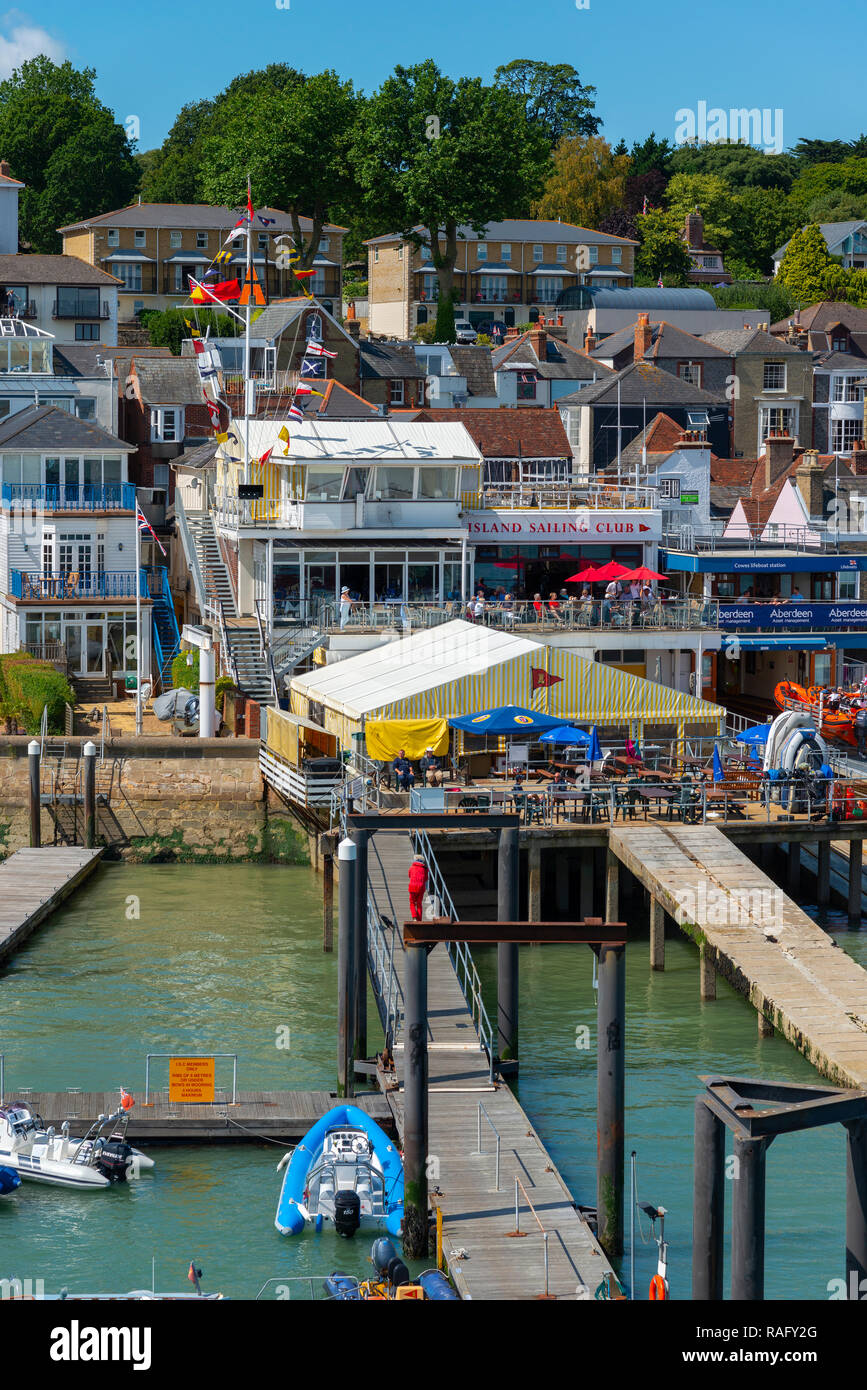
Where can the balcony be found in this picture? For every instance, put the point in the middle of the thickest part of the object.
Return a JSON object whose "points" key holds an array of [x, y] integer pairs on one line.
{"points": [[33, 586], [68, 497], [80, 307], [666, 610], [558, 496], [794, 615]]}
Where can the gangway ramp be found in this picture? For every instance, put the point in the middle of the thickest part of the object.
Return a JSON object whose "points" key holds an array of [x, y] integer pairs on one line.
{"points": [[33, 882]]}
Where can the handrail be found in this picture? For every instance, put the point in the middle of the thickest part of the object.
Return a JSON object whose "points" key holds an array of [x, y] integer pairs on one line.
{"points": [[518, 1231], [190, 551], [43, 729]]}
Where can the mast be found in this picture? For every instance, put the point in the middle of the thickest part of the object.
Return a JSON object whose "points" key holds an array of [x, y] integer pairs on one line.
{"points": [[248, 385]]}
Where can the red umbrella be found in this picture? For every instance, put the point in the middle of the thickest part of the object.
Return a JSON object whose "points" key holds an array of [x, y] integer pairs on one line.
{"points": [[643, 573], [605, 572]]}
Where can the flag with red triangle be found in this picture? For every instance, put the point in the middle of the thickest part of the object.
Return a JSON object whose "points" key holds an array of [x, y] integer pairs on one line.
{"points": [[252, 292]]}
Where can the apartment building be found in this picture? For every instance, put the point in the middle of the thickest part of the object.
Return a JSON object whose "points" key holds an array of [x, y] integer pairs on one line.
{"points": [[153, 249], [509, 276], [74, 301]]}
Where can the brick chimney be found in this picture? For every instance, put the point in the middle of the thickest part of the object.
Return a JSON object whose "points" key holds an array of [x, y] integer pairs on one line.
{"points": [[859, 458], [5, 169], [695, 230], [643, 336], [779, 452], [809, 477], [539, 342], [589, 341], [692, 439]]}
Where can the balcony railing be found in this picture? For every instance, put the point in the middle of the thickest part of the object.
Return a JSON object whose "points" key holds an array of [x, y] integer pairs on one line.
{"points": [[69, 497], [794, 615], [78, 584], [661, 611], [557, 496], [80, 309]]}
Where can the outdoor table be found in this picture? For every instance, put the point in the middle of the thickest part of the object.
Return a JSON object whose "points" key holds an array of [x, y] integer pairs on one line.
{"points": [[561, 799], [658, 794]]}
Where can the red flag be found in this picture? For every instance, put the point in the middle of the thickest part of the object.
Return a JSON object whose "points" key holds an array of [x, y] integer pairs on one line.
{"points": [[542, 678], [221, 292]]}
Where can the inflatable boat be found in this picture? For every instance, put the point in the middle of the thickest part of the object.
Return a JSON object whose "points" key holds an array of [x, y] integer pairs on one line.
{"points": [[392, 1283], [832, 723], [345, 1171]]}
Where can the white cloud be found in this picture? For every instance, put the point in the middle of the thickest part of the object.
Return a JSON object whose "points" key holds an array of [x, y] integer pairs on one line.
{"points": [[20, 40]]}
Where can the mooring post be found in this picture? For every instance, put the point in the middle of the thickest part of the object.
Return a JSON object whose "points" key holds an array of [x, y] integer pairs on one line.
{"points": [[359, 951], [793, 869], [748, 1220], [610, 1085], [855, 864], [508, 910], [708, 1204], [823, 873], [706, 973], [35, 799], [657, 934], [534, 881], [585, 901], [346, 856], [612, 887], [415, 1109], [328, 902], [856, 1208], [89, 751]]}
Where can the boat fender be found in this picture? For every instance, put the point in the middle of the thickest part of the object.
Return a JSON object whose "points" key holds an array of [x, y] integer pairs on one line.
{"points": [[283, 1161], [317, 1221], [436, 1286], [658, 1289]]}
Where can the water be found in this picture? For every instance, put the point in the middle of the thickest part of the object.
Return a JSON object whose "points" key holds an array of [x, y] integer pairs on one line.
{"points": [[221, 958]]}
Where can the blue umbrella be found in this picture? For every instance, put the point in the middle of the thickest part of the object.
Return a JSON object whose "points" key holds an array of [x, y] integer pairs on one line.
{"points": [[508, 719], [565, 733], [757, 734], [595, 754], [717, 765]]}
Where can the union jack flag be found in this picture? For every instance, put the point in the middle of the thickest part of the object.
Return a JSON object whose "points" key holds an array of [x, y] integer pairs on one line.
{"points": [[145, 527]]}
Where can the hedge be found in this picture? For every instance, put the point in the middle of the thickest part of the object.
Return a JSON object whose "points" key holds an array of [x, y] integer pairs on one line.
{"points": [[27, 686]]}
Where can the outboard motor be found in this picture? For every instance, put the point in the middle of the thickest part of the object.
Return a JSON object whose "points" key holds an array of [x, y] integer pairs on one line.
{"points": [[397, 1272], [115, 1157], [382, 1252], [347, 1213]]}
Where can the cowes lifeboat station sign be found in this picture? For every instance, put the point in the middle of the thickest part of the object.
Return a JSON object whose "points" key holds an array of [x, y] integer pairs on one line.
{"points": [[578, 527]]}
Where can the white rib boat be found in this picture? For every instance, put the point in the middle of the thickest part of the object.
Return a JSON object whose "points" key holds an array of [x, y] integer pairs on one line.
{"points": [[38, 1154]]}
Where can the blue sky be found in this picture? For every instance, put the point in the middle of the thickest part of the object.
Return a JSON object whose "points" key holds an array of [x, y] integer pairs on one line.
{"points": [[646, 60]]}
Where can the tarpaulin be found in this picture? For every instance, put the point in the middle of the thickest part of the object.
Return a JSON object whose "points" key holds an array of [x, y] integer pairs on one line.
{"points": [[386, 737]]}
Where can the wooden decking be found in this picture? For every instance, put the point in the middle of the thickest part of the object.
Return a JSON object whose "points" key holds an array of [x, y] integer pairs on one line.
{"points": [[758, 939], [33, 882], [267, 1114], [484, 1261]]}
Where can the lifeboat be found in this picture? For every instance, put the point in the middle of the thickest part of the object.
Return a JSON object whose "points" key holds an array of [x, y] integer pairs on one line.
{"points": [[837, 724]]}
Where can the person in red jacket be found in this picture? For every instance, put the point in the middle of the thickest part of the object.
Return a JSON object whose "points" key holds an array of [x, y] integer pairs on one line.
{"points": [[417, 885]]}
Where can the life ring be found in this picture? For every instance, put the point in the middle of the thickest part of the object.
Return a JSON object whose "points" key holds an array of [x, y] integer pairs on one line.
{"points": [[658, 1289]]}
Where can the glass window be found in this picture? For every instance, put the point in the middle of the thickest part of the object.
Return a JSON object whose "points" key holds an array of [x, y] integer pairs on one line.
{"points": [[112, 470], [19, 356], [394, 484], [93, 470], [87, 332], [85, 408], [550, 287], [324, 484], [538, 252], [52, 471], [395, 391], [130, 273], [423, 581], [113, 236], [324, 244], [356, 481], [506, 251], [31, 468], [616, 255], [10, 468], [400, 253], [561, 255], [774, 377], [426, 253], [492, 289], [593, 252], [388, 579], [321, 575], [140, 237], [201, 241], [845, 435], [437, 484], [176, 239], [481, 251]]}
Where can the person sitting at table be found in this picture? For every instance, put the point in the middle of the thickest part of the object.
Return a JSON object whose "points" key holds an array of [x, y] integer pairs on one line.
{"points": [[430, 768], [508, 610], [560, 784], [403, 772], [554, 608], [538, 608]]}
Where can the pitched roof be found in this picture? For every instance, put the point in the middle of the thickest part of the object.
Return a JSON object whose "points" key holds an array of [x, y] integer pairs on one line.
{"points": [[833, 232], [182, 215], [337, 402], [507, 432], [26, 269], [168, 380], [561, 362], [642, 381], [392, 360], [825, 313], [525, 229], [199, 457], [748, 340], [47, 427], [476, 365], [662, 437], [280, 313], [665, 341]]}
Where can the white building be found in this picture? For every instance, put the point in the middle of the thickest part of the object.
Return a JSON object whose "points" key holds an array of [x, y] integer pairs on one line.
{"points": [[74, 301]]}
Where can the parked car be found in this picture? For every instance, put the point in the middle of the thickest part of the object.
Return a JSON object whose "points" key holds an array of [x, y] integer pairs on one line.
{"points": [[464, 331]]}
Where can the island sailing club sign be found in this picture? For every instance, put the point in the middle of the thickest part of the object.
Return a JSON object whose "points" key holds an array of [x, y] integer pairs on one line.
{"points": [[579, 527]]}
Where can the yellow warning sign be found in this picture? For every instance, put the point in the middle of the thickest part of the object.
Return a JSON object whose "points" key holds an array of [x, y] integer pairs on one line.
{"points": [[191, 1080]]}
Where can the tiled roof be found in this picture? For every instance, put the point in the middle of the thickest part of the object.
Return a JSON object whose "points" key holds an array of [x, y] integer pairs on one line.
{"points": [[476, 364], [337, 402], [662, 437], [639, 382], [392, 360], [561, 362], [510, 433], [823, 314], [25, 269], [833, 232], [200, 457], [525, 229], [47, 427], [193, 215], [665, 341], [739, 340], [168, 380]]}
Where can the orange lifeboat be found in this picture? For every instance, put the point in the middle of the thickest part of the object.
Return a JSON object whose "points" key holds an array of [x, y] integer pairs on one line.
{"points": [[836, 724]]}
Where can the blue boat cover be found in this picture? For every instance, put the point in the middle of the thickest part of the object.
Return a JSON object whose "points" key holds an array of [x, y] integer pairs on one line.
{"points": [[289, 1220]]}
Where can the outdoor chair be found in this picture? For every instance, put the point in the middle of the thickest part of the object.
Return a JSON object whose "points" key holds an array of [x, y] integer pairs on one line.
{"points": [[688, 802]]}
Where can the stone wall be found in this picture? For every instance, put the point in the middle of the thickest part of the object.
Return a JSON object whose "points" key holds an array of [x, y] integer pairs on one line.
{"points": [[162, 801]]}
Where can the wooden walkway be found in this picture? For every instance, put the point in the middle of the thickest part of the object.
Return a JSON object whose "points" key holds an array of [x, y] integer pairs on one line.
{"points": [[757, 939], [483, 1260], [257, 1114], [33, 882]]}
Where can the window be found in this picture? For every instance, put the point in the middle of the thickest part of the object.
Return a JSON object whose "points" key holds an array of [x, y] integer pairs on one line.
{"points": [[324, 244], [538, 252], [324, 484], [845, 435], [430, 287], [139, 237], [85, 408], [421, 315], [176, 239], [669, 488], [167, 425], [774, 376], [783, 419], [437, 484], [400, 253], [201, 241], [506, 251], [690, 371], [314, 328], [561, 255], [840, 343], [376, 254], [616, 255], [843, 388], [113, 236], [549, 287], [492, 289], [77, 303], [87, 332], [711, 262], [394, 484], [593, 254], [263, 240], [481, 252], [426, 253], [527, 386], [130, 273], [395, 391]]}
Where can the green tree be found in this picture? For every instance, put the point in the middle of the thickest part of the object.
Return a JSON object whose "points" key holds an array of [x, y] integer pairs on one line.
{"points": [[587, 181], [805, 266], [65, 145], [740, 165], [296, 147], [762, 219], [433, 154], [650, 154], [808, 152], [858, 288], [174, 172], [821, 181], [662, 252], [168, 327], [711, 195], [554, 98]]}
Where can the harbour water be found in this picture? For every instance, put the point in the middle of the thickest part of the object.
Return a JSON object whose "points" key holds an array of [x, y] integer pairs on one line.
{"points": [[225, 959]]}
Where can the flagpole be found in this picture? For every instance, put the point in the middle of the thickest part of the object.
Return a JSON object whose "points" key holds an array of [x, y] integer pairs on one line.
{"points": [[138, 661], [248, 470]]}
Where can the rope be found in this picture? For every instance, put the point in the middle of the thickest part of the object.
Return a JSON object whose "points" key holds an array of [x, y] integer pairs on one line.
{"points": [[279, 1143]]}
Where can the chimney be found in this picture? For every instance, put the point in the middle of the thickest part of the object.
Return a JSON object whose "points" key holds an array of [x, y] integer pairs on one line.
{"points": [[5, 169], [539, 341], [512, 332], [779, 452], [353, 328], [350, 310], [589, 341], [695, 230], [809, 478], [859, 458], [643, 336], [692, 439]]}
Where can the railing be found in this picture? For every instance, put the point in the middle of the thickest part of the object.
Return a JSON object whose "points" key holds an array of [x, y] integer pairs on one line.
{"points": [[305, 788], [69, 497], [82, 308], [793, 615], [53, 652], [559, 496], [383, 944], [459, 951], [568, 615], [190, 552], [227, 656], [98, 584], [710, 538], [517, 1231]]}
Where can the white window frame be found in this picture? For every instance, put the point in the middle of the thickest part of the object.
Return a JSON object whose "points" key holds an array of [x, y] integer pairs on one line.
{"points": [[481, 251], [201, 241], [396, 391], [538, 252], [506, 251], [777, 370], [167, 424], [561, 255], [176, 240], [788, 420], [324, 244], [850, 426], [113, 236], [669, 488], [616, 255], [593, 254], [140, 236], [376, 255]]}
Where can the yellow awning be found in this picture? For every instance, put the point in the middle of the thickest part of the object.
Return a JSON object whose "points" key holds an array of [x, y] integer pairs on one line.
{"points": [[386, 737]]}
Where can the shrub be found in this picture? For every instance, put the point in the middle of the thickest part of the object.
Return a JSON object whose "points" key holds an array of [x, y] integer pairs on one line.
{"points": [[27, 686], [186, 677]]}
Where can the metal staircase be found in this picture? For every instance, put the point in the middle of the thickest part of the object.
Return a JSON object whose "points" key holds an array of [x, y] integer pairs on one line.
{"points": [[248, 662], [166, 634], [212, 567]]}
